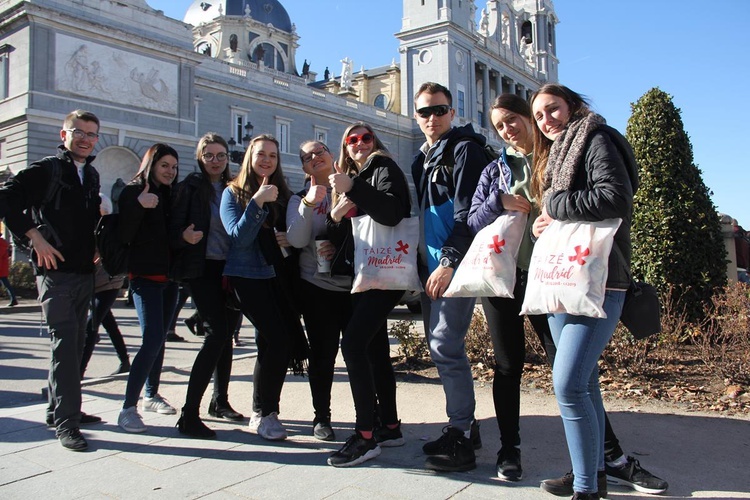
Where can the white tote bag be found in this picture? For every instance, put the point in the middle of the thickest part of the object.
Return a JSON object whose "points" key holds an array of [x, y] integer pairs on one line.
{"points": [[385, 257], [569, 267], [489, 267]]}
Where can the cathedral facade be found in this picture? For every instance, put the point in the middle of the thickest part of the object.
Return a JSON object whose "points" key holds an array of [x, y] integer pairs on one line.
{"points": [[229, 66]]}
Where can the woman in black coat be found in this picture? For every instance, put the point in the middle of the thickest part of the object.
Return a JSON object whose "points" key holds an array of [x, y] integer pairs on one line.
{"points": [[201, 243]]}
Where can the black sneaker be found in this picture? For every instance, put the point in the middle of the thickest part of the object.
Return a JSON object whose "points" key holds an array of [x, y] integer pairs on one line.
{"points": [[457, 455], [387, 438], [563, 486], [636, 477], [173, 337], [438, 446], [195, 325], [323, 431], [72, 439], [509, 464], [355, 451], [86, 419]]}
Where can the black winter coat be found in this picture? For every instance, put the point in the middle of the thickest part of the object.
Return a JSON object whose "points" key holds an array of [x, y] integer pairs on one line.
{"points": [[190, 205], [145, 230]]}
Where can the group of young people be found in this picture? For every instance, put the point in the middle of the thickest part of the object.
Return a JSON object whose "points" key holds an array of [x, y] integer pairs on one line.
{"points": [[249, 243]]}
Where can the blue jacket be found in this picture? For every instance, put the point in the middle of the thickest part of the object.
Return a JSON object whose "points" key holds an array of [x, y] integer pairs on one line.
{"points": [[245, 258], [486, 204], [444, 192]]}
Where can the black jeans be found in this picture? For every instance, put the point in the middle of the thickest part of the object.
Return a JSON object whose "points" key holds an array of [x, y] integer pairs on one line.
{"points": [[326, 314], [261, 303], [508, 341], [101, 314], [215, 356], [367, 353]]}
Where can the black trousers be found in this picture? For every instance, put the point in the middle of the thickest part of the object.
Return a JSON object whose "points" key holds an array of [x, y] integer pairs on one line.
{"points": [[215, 355], [507, 334], [262, 303], [326, 314], [367, 353]]}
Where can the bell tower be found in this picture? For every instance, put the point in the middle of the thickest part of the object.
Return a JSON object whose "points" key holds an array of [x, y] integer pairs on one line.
{"points": [[506, 46]]}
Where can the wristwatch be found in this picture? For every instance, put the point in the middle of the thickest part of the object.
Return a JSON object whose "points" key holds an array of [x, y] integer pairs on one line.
{"points": [[446, 262]]}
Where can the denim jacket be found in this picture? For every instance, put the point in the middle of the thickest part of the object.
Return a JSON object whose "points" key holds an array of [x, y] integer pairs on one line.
{"points": [[245, 258]]}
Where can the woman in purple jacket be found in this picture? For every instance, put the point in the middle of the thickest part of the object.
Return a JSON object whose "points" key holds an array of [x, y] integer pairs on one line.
{"points": [[511, 117]]}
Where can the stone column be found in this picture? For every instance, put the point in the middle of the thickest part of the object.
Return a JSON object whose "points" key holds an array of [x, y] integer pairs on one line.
{"points": [[485, 95]]}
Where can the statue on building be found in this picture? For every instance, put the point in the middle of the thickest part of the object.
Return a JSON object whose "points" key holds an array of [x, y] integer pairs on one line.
{"points": [[526, 49], [305, 68], [346, 73], [247, 10], [484, 22], [506, 30], [326, 74], [233, 42]]}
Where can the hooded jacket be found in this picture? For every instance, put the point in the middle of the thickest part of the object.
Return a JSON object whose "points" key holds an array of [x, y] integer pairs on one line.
{"points": [[444, 191]]}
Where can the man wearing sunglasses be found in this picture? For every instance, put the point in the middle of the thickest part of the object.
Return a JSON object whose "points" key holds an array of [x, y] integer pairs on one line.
{"points": [[55, 204], [446, 172]]}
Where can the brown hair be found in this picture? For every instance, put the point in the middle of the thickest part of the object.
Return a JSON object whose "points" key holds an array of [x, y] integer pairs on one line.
{"points": [[346, 163]]}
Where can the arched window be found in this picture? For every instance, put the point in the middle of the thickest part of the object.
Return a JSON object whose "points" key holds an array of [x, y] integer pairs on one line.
{"points": [[526, 31], [381, 101]]}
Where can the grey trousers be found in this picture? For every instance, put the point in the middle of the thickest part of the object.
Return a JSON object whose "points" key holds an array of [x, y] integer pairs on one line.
{"points": [[65, 299], [446, 322]]}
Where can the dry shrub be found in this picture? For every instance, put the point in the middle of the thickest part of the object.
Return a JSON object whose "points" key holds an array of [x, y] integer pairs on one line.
{"points": [[412, 343], [724, 337], [478, 343]]}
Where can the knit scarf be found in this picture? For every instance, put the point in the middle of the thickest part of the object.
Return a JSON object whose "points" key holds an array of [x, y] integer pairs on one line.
{"points": [[566, 153]]}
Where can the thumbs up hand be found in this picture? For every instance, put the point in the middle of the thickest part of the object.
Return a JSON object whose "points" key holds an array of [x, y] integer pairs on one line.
{"points": [[266, 193], [147, 199], [340, 182], [191, 235], [316, 193]]}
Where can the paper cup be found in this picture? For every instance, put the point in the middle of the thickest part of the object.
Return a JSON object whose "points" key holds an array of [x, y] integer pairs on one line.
{"points": [[324, 265]]}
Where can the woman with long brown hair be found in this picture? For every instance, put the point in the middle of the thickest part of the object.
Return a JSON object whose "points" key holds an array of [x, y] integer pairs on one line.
{"points": [[253, 208], [144, 212]]}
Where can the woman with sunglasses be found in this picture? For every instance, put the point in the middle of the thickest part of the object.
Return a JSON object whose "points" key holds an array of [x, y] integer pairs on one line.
{"points": [[326, 307], [252, 207], [505, 184], [201, 245], [369, 180], [584, 170], [144, 214]]}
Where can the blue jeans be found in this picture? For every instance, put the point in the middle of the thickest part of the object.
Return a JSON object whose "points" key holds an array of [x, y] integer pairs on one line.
{"points": [[154, 303], [580, 341]]}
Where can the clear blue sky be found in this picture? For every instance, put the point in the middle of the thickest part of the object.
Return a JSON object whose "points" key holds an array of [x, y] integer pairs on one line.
{"points": [[613, 51]]}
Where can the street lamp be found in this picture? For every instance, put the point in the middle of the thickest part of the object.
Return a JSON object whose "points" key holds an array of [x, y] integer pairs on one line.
{"points": [[248, 135], [235, 156]]}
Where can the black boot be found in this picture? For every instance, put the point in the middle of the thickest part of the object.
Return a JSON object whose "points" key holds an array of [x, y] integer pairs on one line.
{"points": [[124, 366], [191, 425]]}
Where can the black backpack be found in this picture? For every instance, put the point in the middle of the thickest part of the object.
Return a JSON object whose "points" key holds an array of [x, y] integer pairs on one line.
{"points": [[112, 251], [448, 160]]}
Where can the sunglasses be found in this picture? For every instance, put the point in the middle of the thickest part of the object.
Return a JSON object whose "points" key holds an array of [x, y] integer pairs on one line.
{"points": [[365, 138], [439, 110]]}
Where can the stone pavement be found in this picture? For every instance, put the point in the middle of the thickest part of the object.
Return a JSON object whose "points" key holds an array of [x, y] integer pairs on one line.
{"points": [[702, 456]]}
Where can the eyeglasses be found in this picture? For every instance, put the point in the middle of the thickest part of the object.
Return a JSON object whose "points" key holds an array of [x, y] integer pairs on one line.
{"points": [[365, 138], [80, 134], [439, 110], [209, 157], [309, 156]]}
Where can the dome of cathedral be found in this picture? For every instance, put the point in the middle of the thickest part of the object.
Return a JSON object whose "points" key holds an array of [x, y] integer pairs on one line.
{"points": [[264, 11]]}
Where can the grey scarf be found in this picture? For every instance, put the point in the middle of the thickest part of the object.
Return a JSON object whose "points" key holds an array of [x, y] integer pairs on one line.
{"points": [[567, 152]]}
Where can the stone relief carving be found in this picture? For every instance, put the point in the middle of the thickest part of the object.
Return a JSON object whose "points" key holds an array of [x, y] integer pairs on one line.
{"points": [[98, 71]]}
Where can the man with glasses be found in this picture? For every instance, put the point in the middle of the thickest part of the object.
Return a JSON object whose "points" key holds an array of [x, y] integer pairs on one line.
{"points": [[446, 172], [55, 204]]}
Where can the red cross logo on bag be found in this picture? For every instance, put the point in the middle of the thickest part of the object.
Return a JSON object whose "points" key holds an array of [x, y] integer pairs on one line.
{"points": [[580, 254], [402, 247], [497, 244]]}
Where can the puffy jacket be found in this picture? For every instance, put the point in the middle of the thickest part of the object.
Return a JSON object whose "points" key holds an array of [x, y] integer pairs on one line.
{"points": [[73, 215], [603, 188], [145, 230], [486, 204], [444, 191]]}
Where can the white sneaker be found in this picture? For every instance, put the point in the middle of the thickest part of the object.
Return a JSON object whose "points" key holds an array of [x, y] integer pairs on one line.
{"points": [[270, 428], [255, 419], [130, 421], [159, 405]]}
